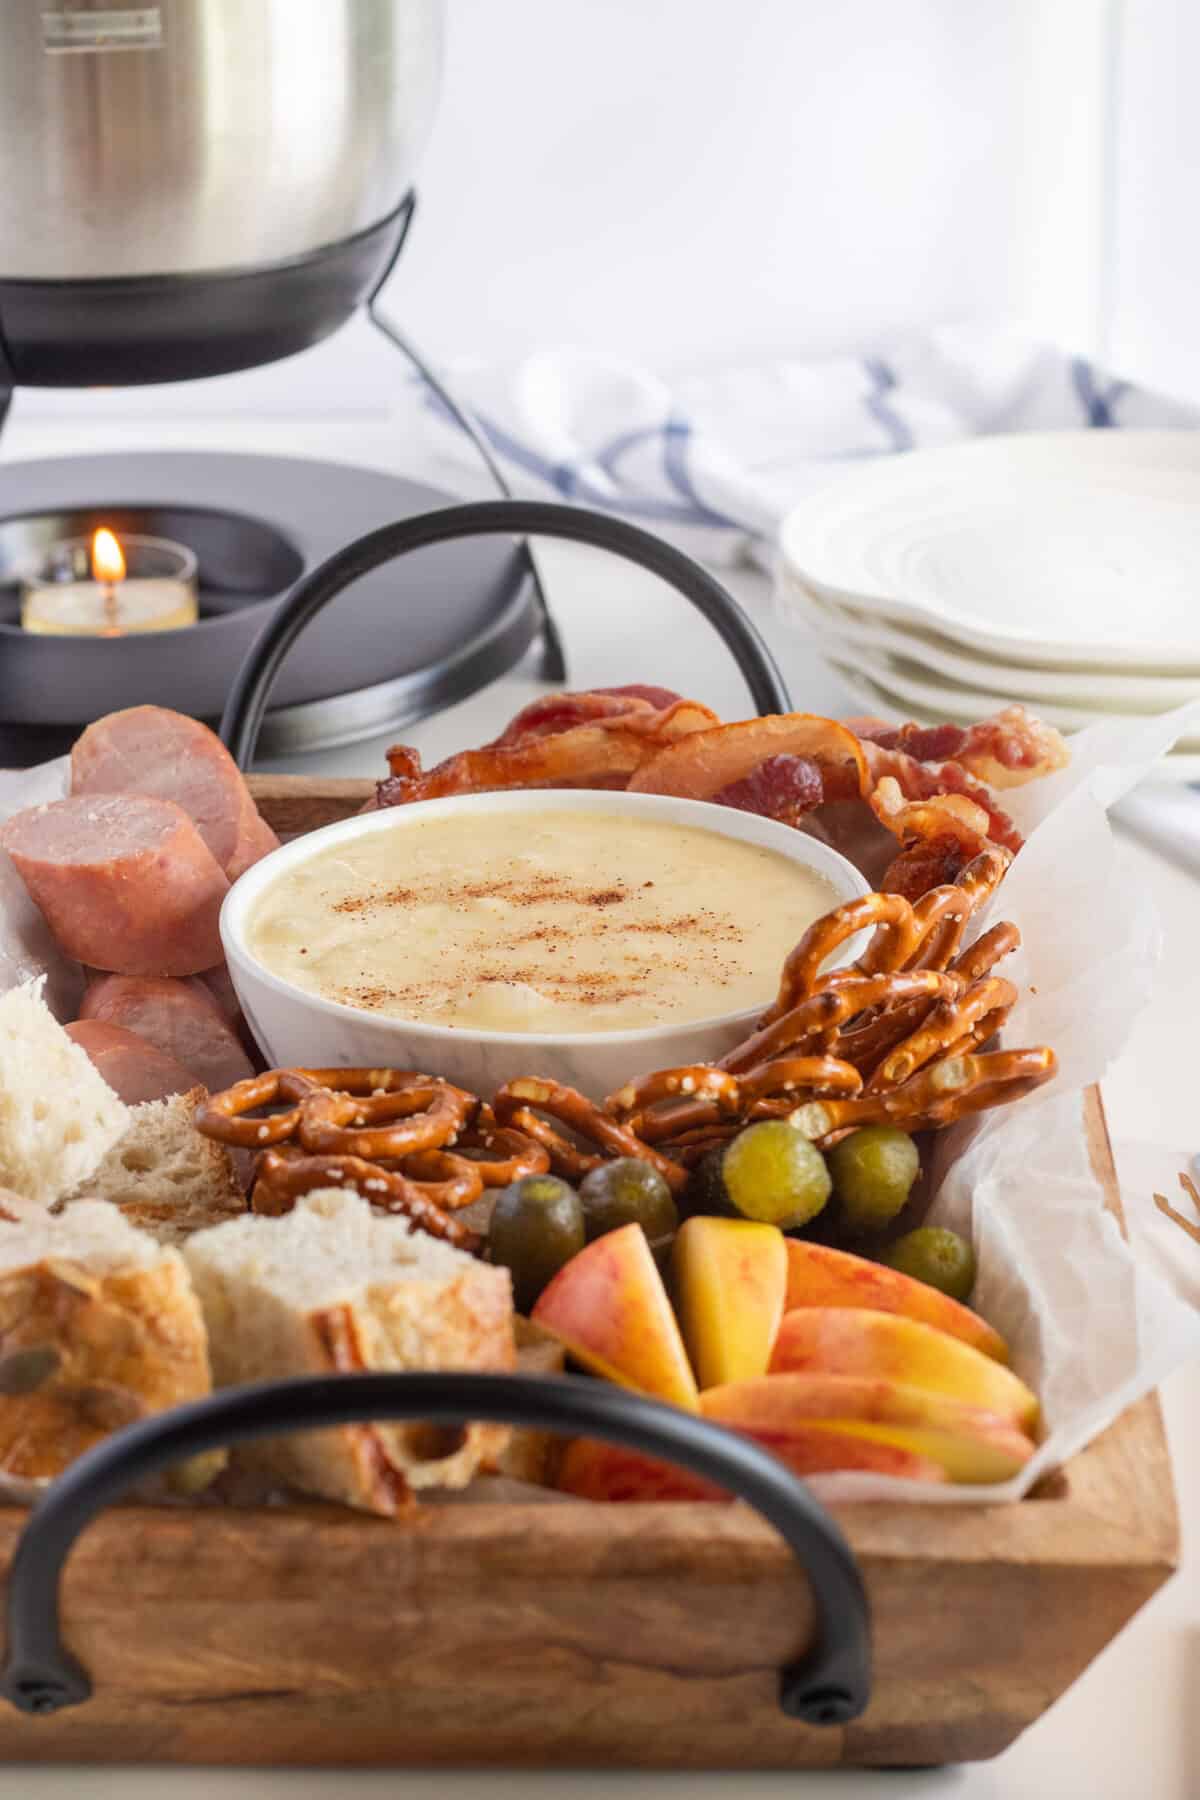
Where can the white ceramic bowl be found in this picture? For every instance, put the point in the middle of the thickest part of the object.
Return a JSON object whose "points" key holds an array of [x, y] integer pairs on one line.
{"points": [[296, 1028]]}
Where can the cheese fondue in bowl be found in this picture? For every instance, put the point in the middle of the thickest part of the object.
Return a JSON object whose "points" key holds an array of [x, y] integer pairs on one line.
{"points": [[579, 935], [558, 921]]}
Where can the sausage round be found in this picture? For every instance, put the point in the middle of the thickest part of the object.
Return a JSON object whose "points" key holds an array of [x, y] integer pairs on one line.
{"points": [[180, 1018], [125, 883], [133, 1068], [151, 750]]}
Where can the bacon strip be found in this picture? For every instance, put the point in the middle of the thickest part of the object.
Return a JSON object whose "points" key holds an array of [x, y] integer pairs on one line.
{"points": [[552, 713], [929, 781], [782, 787], [1007, 750], [601, 754], [707, 762]]}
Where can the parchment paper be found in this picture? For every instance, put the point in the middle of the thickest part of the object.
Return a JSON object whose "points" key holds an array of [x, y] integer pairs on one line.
{"points": [[1092, 1325]]}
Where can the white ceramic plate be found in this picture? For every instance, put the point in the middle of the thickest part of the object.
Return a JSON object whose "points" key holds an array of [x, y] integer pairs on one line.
{"points": [[1181, 765], [938, 699], [1057, 549], [879, 644]]}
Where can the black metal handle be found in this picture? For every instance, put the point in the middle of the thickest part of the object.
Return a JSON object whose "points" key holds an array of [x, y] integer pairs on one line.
{"points": [[483, 518], [829, 1685]]}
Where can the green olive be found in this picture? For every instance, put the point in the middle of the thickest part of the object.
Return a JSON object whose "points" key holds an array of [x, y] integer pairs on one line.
{"points": [[873, 1174], [627, 1192], [940, 1258], [705, 1191], [775, 1175], [537, 1227]]}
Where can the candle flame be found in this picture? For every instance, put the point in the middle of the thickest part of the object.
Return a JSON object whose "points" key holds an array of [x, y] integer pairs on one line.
{"points": [[108, 563]]}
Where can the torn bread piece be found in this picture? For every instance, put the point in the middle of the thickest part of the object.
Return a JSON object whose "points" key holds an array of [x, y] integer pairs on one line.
{"points": [[337, 1287], [99, 1326], [58, 1116], [531, 1455], [164, 1176]]}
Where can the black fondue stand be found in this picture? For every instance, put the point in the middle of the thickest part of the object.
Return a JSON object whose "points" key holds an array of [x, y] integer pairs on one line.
{"points": [[396, 649]]}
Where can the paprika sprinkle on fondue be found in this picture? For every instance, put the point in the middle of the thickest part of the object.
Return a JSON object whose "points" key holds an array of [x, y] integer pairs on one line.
{"points": [[552, 922]]}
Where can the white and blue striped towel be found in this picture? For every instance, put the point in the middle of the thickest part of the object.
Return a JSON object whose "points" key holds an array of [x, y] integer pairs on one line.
{"points": [[714, 460]]}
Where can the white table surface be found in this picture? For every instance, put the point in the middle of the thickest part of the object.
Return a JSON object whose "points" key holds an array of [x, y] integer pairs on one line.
{"points": [[1131, 1725]]}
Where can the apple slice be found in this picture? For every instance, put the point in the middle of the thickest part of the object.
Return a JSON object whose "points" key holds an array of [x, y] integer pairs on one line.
{"points": [[976, 1457], [841, 1340], [609, 1309], [779, 1403], [596, 1471], [593, 1470], [728, 1280], [818, 1276]]}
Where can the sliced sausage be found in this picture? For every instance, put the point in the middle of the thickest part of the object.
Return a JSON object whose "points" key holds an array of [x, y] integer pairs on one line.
{"points": [[254, 841], [180, 1018], [150, 750], [218, 985], [133, 1068], [124, 882]]}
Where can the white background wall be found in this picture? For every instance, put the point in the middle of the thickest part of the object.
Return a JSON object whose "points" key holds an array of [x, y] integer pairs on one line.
{"points": [[694, 181], [1154, 302]]}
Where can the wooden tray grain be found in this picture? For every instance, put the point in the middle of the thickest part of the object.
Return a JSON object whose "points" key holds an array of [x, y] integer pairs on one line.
{"points": [[636, 1636]]}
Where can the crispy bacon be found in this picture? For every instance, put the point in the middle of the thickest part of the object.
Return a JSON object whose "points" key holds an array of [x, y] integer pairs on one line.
{"points": [[782, 787], [928, 781], [601, 754], [1010, 748], [936, 862], [709, 761], [552, 713], [658, 697]]}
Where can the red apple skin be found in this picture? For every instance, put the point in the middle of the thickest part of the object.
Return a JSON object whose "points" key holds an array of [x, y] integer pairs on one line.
{"points": [[592, 1470], [825, 1447], [819, 1276], [856, 1340], [609, 1307]]}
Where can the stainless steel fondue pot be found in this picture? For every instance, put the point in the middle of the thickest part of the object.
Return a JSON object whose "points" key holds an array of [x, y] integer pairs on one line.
{"points": [[201, 185]]}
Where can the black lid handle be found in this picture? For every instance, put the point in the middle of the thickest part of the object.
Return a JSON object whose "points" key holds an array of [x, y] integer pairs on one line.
{"points": [[829, 1685], [255, 678]]}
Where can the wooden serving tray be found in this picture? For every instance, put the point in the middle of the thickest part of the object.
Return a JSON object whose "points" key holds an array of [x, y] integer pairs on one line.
{"points": [[572, 1634]]}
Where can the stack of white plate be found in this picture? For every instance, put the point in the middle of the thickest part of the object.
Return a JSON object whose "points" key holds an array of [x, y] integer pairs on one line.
{"points": [[1058, 569]]}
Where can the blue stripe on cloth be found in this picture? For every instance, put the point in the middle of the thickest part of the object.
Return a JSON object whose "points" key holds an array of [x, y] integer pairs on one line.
{"points": [[608, 458], [884, 380], [1097, 405], [571, 481], [677, 435]]}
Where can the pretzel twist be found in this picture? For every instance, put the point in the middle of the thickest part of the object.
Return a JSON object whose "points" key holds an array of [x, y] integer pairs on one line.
{"points": [[698, 1081], [982, 956], [892, 944], [820, 1022], [386, 1133], [371, 1113], [281, 1180], [941, 916], [947, 1024], [788, 1075], [520, 1102], [935, 1096], [501, 1154]]}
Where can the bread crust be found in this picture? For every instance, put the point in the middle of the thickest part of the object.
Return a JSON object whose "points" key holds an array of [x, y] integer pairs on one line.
{"points": [[83, 1353]]}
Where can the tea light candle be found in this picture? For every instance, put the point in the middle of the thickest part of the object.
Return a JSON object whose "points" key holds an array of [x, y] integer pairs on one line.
{"points": [[111, 586]]}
